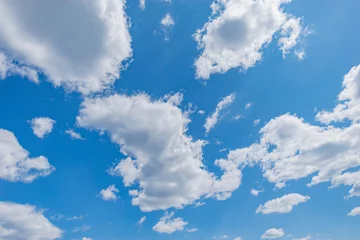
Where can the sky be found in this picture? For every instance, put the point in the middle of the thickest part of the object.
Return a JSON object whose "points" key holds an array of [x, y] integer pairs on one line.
{"points": [[177, 119]]}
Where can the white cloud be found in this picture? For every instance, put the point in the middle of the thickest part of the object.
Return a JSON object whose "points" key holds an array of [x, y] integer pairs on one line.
{"points": [[42, 126], [163, 162], [284, 204], [305, 238], [235, 36], [142, 4], [291, 149], [354, 212], [248, 105], [80, 217], [73, 134], [15, 163], [224, 236], [238, 238], [8, 68], [168, 224], [300, 54], [273, 233], [255, 192], [83, 228], [192, 230], [211, 120], [167, 23], [81, 45], [86, 238], [142, 220], [25, 222], [256, 122], [109, 194]]}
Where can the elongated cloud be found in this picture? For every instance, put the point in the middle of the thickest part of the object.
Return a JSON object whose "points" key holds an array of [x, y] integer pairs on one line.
{"points": [[284, 204]]}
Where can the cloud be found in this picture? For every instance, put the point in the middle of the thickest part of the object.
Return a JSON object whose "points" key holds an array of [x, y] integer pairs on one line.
{"points": [[192, 230], [290, 148], [224, 236], [142, 220], [42, 126], [256, 192], [235, 36], [167, 23], [248, 105], [15, 163], [354, 212], [83, 228], [25, 222], [238, 238], [256, 122], [109, 194], [211, 120], [86, 238], [8, 68], [73, 134], [142, 4], [305, 238], [273, 233], [284, 204], [81, 46], [80, 217], [163, 163], [168, 224]]}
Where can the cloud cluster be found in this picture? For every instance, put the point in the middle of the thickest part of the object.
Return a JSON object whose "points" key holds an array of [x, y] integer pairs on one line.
{"points": [[25, 222], [354, 212], [15, 163], [109, 194], [238, 30], [168, 224], [84, 51], [163, 163], [42, 126]]}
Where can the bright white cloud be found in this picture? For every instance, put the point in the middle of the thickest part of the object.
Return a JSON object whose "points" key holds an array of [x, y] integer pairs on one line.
{"points": [[20, 222], [238, 238], [291, 149], [82, 228], [248, 105], [192, 230], [81, 45], [73, 134], [256, 122], [167, 23], [15, 163], [255, 192], [284, 204], [163, 163], [354, 212], [8, 68], [235, 36], [86, 238], [42, 126], [273, 233], [211, 120], [305, 238], [80, 217], [142, 220], [109, 194], [168, 224]]}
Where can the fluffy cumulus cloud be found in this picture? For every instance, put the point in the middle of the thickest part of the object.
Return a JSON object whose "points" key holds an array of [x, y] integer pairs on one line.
{"points": [[42, 126], [109, 194], [163, 164], [25, 222], [354, 212], [168, 224], [15, 163], [167, 23], [273, 233], [82, 44], [74, 135], [256, 192], [235, 35], [9, 67], [211, 120], [284, 204], [290, 148]]}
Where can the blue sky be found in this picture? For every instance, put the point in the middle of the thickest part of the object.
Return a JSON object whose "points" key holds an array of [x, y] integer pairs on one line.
{"points": [[114, 111]]}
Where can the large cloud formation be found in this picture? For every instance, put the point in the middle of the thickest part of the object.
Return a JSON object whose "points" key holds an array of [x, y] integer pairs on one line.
{"points": [[81, 45], [238, 30], [15, 163], [19, 222], [163, 163], [291, 148]]}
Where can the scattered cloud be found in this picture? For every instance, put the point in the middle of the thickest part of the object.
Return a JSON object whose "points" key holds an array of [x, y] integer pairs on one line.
{"points": [[25, 222], [82, 228], [42, 126], [230, 39], [248, 105], [201, 112], [109, 194], [142, 4], [192, 230], [238, 238], [256, 122], [238, 117], [305, 238], [162, 161], [168, 224], [80, 217], [224, 236], [57, 217], [273, 233], [74, 135], [255, 192], [354, 212], [167, 23], [9, 67], [86, 238], [81, 46], [141, 221], [15, 163], [213, 119], [199, 204], [300, 54], [284, 204]]}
